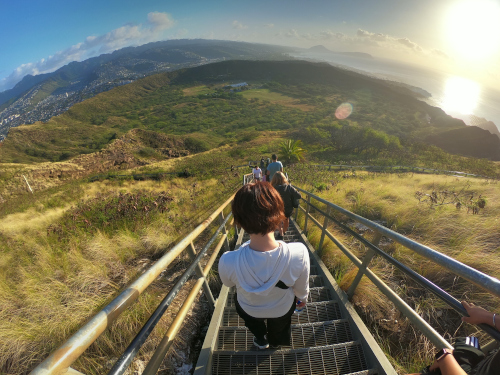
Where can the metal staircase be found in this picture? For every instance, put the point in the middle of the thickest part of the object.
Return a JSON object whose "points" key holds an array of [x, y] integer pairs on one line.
{"points": [[326, 337]]}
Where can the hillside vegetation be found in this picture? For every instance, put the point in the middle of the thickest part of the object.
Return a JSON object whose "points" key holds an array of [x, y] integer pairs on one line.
{"points": [[284, 95], [399, 202], [68, 250]]}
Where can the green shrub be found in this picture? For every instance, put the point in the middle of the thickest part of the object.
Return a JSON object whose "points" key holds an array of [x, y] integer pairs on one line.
{"points": [[110, 213], [147, 152], [196, 144]]}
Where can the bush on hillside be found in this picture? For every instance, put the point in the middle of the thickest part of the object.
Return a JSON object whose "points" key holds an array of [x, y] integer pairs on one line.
{"points": [[196, 144], [110, 213]]}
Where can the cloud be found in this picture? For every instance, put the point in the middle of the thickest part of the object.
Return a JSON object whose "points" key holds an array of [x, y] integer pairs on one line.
{"points": [[238, 25], [269, 25], [377, 37], [127, 35], [388, 41], [160, 21], [330, 35], [408, 43], [387, 44], [292, 33]]}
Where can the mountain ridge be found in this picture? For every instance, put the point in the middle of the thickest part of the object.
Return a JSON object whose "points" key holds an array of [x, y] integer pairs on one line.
{"points": [[301, 95], [322, 49], [40, 97]]}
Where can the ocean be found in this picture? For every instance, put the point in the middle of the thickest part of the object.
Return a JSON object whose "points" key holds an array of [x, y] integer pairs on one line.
{"points": [[459, 97]]}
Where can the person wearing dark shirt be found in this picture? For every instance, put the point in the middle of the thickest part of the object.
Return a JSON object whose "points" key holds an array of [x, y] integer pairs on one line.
{"points": [[289, 195]]}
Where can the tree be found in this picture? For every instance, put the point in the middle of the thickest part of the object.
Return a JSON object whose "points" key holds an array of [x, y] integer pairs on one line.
{"points": [[291, 151]]}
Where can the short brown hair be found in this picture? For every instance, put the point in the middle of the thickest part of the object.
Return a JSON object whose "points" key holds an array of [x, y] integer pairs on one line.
{"points": [[279, 179], [258, 208]]}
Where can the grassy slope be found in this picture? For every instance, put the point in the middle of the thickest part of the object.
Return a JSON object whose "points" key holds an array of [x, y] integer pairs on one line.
{"points": [[471, 239], [53, 280]]}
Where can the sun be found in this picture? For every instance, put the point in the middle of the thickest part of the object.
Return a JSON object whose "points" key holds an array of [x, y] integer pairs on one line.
{"points": [[472, 28]]}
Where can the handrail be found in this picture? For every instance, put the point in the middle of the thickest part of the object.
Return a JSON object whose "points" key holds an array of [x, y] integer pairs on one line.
{"points": [[392, 167], [487, 282], [427, 284], [128, 355], [248, 178], [69, 351]]}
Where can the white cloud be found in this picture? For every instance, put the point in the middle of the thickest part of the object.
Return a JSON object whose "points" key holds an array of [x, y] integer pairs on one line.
{"points": [[127, 35], [364, 40], [330, 35], [238, 25], [408, 43], [377, 37], [388, 41], [269, 25]]}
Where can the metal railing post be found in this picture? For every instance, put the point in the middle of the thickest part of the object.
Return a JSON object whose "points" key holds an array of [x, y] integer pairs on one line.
{"points": [[366, 260], [199, 272], [307, 213], [168, 339], [323, 232], [224, 231]]}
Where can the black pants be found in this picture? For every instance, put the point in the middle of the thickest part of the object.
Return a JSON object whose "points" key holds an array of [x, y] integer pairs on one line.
{"points": [[278, 330]]}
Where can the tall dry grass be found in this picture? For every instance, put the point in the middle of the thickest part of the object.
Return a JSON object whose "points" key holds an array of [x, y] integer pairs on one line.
{"points": [[390, 198], [49, 287]]}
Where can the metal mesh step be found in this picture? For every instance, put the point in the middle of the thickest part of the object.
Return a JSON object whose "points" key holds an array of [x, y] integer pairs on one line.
{"points": [[339, 359], [303, 336], [315, 281], [313, 312], [316, 294]]}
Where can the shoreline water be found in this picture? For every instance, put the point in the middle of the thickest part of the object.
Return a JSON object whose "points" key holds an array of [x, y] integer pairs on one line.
{"points": [[458, 97]]}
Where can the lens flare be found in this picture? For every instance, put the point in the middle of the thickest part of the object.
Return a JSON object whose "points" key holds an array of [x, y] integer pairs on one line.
{"points": [[343, 111]]}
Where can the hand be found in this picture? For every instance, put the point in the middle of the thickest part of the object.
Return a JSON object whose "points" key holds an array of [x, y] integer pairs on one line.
{"points": [[477, 314], [301, 305], [434, 366]]}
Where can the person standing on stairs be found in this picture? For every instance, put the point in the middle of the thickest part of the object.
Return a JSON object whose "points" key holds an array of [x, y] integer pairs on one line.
{"points": [[290, 197], [269, 275], [272, 168]]}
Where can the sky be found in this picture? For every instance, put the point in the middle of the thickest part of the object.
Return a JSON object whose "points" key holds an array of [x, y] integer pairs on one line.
{"points": [[461, 37]]}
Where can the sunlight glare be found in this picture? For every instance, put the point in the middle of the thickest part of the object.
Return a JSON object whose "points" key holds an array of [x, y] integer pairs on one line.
{"points": [[473, 28], [460, 95]]}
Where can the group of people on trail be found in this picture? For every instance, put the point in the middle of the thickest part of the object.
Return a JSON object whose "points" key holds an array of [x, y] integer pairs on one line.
{"points": [[266, 169], [272, 277]]}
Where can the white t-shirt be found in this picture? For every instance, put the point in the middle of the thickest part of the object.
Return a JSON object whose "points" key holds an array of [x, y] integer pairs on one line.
{"points": [[257, 172], [256, 273]]}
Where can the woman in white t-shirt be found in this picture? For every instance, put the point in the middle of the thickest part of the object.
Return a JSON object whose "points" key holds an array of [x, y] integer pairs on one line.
{"points": [[257, 173], [269, 275]]}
